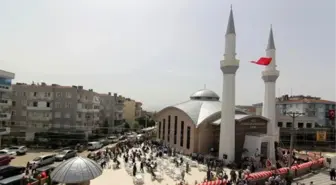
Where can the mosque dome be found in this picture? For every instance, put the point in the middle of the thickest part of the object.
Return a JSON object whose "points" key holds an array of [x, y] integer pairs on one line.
{"points": [[204, 94]]}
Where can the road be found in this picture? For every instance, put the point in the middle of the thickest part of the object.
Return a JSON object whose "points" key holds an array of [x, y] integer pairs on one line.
{"points": [[22, 160]]}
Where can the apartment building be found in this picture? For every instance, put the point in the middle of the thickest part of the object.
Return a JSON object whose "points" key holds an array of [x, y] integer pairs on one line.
{"points": [[111, 109], [316, 111], [132, 110], [41, 107], [5, 97]]}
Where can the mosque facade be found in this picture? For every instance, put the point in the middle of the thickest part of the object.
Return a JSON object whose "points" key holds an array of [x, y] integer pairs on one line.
{"points": [[204, 124], [193, 126]]}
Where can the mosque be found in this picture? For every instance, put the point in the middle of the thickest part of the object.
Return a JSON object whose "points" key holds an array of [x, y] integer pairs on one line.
{"points": [[204, 124]]}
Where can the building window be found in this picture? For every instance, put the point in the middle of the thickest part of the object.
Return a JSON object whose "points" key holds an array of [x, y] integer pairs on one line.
{"points": [[68, 94], [159, 129], [58, 94], [47, 94], [24, 102], [13, 113], [309, 125], [280, 124], [181, 134], [67, 105], [188, 137], [34, 104], [289, 124], [67, 115], [13, 103], [48, 104], [35, 94], [58, 105], [300, 125], [175, 130], [168, 129], [164, 129], [57, 114]]}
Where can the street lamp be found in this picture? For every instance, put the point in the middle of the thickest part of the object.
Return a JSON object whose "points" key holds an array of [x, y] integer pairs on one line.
{"points": [[293, 115]]}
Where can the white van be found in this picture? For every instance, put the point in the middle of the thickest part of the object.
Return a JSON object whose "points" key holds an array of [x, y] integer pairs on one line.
{"points": [[94, 145]]}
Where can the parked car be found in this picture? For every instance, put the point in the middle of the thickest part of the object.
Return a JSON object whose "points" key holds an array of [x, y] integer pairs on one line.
{"points": [[94, 146], [9, 171], [5, 159], [104, 142], [19, 150], [42, 161], [7, 152], [65, 154]]}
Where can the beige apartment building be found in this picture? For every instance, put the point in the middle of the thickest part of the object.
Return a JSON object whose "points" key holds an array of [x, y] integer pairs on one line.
{"points": [[132, 110], [111, 110], [42, 107]]}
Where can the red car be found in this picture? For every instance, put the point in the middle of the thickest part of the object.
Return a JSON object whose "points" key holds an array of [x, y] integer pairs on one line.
{"points": [[5, 159]]}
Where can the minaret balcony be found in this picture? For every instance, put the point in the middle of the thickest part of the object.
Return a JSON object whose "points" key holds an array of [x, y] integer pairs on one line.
{"points": [[229, 66], [270, 75]]}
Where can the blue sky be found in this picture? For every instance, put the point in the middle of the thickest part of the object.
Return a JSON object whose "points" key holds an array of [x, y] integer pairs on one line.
{"points": [[159, 51]]}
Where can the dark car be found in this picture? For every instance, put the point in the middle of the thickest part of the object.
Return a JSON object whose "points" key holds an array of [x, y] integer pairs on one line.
{"points": [[9, 171], [65, 154]]}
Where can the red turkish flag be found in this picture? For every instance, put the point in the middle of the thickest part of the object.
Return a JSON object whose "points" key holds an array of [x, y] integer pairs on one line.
{"points": [[331, 114], [264, 61]]}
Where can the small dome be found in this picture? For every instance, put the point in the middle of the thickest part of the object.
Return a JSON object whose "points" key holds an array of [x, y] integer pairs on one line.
{"points": [[76, 170], [204, 94]]}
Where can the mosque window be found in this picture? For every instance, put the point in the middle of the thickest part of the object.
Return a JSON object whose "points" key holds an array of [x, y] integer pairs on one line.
{"points": [[300, 125], [182, 134], [168, 136], [188, 137], [164, 129], [159, 129], [175, 130]]}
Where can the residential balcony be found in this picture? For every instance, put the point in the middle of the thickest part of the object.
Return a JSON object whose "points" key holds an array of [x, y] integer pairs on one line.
{"points": [[39, 108], [5, 88], [5, 116], [95, 110], [5, 102], [46, 98], [37, 118]]}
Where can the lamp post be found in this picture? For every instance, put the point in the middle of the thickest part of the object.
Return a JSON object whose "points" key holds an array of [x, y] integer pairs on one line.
{"points": [[293, 115]]}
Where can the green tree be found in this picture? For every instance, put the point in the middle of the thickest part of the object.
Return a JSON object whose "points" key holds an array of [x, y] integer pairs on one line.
{"points": [[136, 125], [126, 126]]}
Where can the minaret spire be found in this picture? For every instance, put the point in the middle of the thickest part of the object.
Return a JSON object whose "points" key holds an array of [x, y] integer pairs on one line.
{"points": [[231, 26], [270, 44]]}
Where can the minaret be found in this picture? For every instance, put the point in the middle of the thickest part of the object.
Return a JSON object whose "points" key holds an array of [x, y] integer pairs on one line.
{"points": [[270, 75], [229, 66]]}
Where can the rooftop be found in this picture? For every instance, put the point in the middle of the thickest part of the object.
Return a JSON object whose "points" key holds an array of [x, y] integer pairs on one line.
{"points": [[203, 104]]}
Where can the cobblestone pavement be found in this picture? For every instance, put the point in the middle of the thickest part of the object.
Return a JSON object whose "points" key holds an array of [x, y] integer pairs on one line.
{"points": [[322, 178]]}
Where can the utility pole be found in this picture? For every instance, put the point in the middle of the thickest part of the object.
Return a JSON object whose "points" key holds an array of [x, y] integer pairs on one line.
{"points": [[293, 115]]}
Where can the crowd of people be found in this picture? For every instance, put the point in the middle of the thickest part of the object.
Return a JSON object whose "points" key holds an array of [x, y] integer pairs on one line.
{"points": [[146, 156]]}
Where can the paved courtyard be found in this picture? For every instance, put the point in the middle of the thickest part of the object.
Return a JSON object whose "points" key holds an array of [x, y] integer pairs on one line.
{"points": [[321, 178]]}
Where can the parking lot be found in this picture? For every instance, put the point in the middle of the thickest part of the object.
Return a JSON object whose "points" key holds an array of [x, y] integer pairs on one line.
{"points": [[22, 160]]}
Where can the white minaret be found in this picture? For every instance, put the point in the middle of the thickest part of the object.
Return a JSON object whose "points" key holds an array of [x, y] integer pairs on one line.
{"points": [[229, 66], [270, 75]]}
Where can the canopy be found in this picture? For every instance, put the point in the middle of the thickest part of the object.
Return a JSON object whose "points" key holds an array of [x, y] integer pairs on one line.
{"points": [[76, 170]]}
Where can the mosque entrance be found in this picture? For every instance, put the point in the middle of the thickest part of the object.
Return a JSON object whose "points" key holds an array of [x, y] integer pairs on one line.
{"points": [[264, 149]]}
